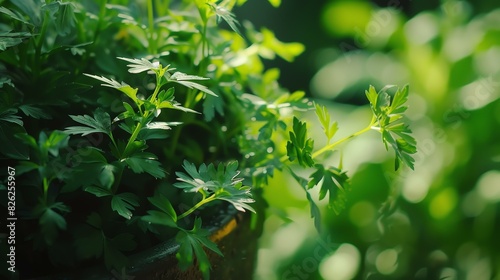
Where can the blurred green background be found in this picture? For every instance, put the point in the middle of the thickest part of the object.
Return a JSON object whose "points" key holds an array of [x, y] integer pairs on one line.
{"points": [[441, 221]]}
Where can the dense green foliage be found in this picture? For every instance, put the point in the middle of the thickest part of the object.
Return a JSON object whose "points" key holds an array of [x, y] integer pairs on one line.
{"points": [[186, 117]]}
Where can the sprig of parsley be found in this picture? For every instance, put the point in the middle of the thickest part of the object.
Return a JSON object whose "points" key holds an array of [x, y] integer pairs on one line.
{"points": [[389, 118], [221, 183], [192, 243]]}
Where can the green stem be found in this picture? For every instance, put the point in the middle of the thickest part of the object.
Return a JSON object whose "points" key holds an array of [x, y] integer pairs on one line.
{"points": [[132, 138], [198, 205], [159, 76], [113, 141], [204, 46], [152, 43], [145, 115], [190, 101], [45, 189], [331, 146]]}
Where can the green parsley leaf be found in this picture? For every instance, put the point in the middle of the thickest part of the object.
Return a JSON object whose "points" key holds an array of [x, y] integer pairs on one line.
{"points": [[123, 203], [315, 212], [100, 123], [9, 115], [145, 162], [97, 191], [123, 87], [221, 182], [141, 65], [299, 147], [334, 181], [11, 146], [325, 119], [187, 81], [34, 112], [389, 116], [162, 203], [193, 241], [159, 218], [50, 220], [212, 104], [222, 12]]}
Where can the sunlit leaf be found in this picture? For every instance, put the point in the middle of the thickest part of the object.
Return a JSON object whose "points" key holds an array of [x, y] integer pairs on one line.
{"points": [[223, 182], [187, 81], [299, 147], [325, 119], [390, 123], [141, 65], [224, 13]]}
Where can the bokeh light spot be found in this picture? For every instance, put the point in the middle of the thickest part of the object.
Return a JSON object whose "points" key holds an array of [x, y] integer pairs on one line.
{"points": [[489, 186], [341, 265], [473, 204], [344, 18], [387, 261], [443, 203], [415, 188], [422, 28]]}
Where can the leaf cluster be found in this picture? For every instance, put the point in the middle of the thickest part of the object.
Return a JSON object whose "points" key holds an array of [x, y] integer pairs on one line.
{"points": [[192, 243], [221, 183], [389, 117]]}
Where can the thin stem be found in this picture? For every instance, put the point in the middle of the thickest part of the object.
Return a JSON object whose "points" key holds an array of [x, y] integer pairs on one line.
{"points": [[152, 43], [45, 189], [133, 136], [331, 146], [204, 46], [159, 75], [198, 205], [113, 141], [145, 115]]}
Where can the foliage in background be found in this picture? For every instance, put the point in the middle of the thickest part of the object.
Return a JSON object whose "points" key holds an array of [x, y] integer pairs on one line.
{"points": [[440, 221]]}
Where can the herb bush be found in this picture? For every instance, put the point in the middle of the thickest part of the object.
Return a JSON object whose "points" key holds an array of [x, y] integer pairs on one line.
{"points": [[187, 117]]}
